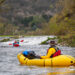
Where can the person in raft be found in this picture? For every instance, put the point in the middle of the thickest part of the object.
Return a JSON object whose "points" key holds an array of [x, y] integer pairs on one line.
{"points": [[52, 51], [16, 43]]}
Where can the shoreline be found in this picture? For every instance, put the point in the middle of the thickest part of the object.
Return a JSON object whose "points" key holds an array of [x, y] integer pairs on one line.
{"points": [[60, 40]]}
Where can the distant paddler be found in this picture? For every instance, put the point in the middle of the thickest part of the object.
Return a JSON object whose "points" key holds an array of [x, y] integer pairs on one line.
{"points": [[16, 43]]}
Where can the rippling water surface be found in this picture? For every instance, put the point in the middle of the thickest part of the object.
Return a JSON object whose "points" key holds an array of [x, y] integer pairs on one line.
{"points": [[9, 64]]}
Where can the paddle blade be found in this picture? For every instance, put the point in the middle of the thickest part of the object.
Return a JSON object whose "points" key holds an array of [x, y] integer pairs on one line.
{"points": [[10, 43], [21, 40]]}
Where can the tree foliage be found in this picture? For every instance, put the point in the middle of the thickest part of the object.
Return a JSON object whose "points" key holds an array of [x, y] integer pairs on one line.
{"points": [[63, 23], [1, 2]]}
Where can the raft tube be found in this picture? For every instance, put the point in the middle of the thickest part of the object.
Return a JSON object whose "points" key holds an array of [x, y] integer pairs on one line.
{"points": [[61, 60], [16, 45]]}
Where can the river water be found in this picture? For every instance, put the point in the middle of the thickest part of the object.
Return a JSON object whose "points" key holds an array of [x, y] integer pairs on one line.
{"points": [[9, 64]]}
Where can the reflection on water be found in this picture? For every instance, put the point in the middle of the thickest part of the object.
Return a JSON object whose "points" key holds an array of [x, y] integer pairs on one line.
{"points": [[9, 64], [60, 71]]}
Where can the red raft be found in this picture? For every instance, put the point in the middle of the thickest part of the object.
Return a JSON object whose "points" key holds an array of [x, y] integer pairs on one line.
{"points": [[16, 45]]}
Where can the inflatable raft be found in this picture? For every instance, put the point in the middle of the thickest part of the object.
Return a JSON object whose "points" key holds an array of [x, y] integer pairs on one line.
{"points": [[16, 45], [61, 60]]}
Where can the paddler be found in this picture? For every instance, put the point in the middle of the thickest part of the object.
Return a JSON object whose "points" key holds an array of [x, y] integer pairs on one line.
{"points": [[52, 51]]}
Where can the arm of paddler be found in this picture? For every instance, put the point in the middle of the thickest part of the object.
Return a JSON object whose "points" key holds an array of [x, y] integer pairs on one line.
{"points": [[50, 52]]}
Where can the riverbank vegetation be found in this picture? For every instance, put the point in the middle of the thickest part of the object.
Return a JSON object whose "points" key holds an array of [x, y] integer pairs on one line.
{"points": [[48, 40], [5, 40], [61, 24]]}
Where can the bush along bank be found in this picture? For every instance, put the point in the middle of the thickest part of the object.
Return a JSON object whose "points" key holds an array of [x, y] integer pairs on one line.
{"points": [[48, 39], [68, 40], [5, 40], [8, 38]]}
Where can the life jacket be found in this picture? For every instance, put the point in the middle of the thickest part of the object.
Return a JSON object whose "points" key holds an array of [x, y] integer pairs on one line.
{"points": [[58, 52]]}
